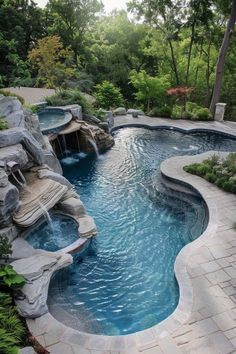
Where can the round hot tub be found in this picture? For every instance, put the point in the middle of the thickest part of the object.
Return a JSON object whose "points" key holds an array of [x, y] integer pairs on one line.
{"points": [[53, 119]]}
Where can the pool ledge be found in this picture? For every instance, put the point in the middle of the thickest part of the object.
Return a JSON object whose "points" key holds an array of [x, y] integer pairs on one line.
{"points": [[205, 318]]}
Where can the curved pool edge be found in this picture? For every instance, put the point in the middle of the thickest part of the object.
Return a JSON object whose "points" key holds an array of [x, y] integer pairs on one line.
{"points": [[154, 336]]}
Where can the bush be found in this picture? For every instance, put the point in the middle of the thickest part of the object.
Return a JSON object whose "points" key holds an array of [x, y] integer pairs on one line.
{"points": [[10, 94], [201, 114], [68, 97], [164, 112], [192, 111], [177, 111], [108, 96]]}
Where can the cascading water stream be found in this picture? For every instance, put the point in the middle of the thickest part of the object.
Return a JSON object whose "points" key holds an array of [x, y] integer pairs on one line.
{"points": [[94, 145]]}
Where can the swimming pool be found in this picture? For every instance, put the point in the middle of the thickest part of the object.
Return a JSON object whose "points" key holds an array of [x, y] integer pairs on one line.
{"points": [[125, 283]]}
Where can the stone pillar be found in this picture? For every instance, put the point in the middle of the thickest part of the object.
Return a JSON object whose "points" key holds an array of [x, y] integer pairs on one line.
{"points": [[220, 112]]}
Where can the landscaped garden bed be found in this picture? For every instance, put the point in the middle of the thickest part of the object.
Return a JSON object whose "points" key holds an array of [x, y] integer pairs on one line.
{"points": [[221, 172]]}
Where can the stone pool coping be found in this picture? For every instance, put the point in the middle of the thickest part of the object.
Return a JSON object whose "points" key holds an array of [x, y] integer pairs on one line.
{"points": [[205, 318]]}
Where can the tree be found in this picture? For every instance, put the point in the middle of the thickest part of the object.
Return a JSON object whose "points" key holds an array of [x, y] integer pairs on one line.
{"points": [[70, 19], [164, 15], [150, 90], [222, 56], [21, 24], [108, 96], [52, 62]]}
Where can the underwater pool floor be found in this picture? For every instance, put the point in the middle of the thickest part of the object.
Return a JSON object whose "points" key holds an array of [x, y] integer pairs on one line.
{"points": [[125, 283]]}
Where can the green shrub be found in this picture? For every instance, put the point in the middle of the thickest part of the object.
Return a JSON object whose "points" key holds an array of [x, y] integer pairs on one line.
{"points": [[214, 170], [201, 113], [32, 108], [191, 111], [3, 124], [100, 114], [177, 111], [11, 327], [108, 96], [8, 93], [68, 97], [10, 278], [164, 112]]}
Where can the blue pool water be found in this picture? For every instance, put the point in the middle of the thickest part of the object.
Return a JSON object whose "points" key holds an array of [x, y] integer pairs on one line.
{"points": [[125, 283], [62, 232]]}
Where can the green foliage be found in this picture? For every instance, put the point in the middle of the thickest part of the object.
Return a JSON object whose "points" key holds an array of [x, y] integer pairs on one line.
{"points": [[151, 91], [108, 96], [164, 112], [8, 93], [3, 124], [11, 327], [214, 170], [68, 97], [191, 111], [177, 111], [5, 248], [33, 108], [10, 278], [100, 114]]}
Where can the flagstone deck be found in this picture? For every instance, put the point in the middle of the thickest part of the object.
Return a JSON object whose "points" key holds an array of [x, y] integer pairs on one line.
{"points": [[205, 319]]}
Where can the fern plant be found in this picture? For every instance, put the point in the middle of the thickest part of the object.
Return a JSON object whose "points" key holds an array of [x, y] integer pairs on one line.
{"points": [[11, 327]]}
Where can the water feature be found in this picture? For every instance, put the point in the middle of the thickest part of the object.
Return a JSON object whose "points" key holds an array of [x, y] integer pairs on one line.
{"points": [[65, 232], [52, 119], [94, 145], [126, 282]]}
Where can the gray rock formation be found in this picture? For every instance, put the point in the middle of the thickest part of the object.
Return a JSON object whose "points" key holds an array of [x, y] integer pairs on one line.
{"points": [[9, 200], [135, 112], [14, 153], [22, 136], [72, 206], [37, 271], [120, 111], [9, 105]]}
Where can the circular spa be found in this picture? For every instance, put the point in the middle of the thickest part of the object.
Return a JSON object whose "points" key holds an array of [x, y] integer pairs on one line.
{"points": [[125, 282], [53, 233], [52, 119]]}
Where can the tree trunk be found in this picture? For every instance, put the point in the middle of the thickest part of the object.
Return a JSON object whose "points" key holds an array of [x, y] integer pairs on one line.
{"points": [[190, 52], [174, 63], [221, 59]]}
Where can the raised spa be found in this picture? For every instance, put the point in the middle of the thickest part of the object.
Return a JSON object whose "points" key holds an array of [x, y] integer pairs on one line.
{"points": [[54, 234], [125, 283], [53, 119]]}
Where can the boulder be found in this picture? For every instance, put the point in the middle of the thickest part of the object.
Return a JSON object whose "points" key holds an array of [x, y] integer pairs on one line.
{"points": [[72, 206], [10, 232], [121, 111], [14, 153], [16, 119], [22, 136], [104, 126], [8, 105], [33, 126], [137, 112], [87, 227], [9, 203]]}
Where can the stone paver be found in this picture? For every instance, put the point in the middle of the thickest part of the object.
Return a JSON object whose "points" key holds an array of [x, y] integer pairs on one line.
{"points": [[205, 319]]}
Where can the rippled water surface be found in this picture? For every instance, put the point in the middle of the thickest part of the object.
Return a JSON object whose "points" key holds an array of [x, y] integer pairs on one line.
{"points": [[125, 283]]}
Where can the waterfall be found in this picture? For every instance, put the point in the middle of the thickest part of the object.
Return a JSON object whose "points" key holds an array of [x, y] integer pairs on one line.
{"points": [[64, 143], [94, 145], [59, 143], [47, 216], [42, 207]]}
